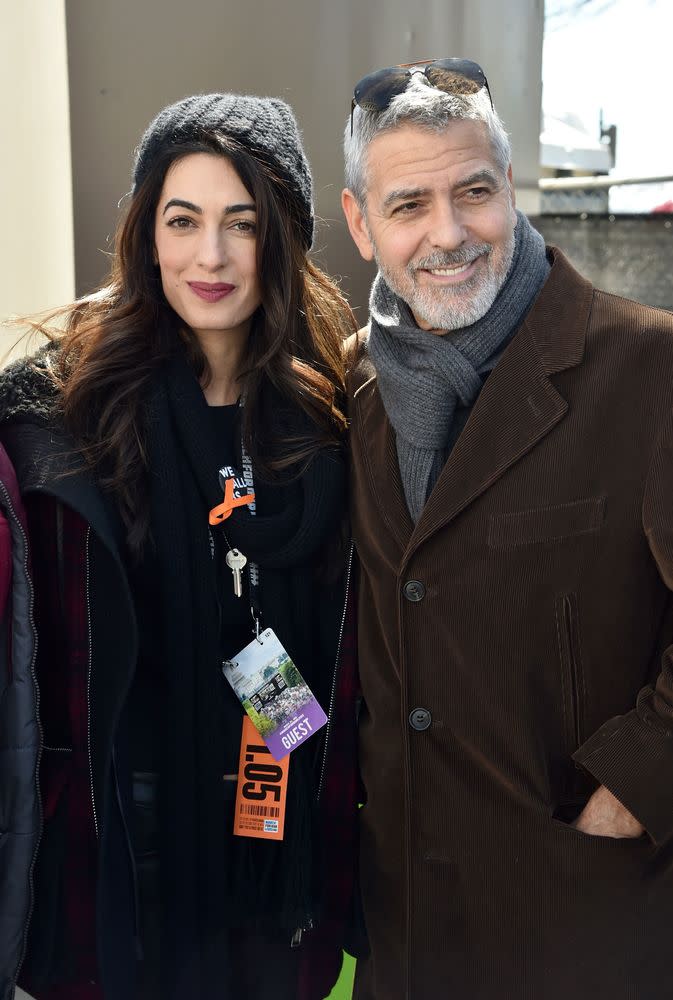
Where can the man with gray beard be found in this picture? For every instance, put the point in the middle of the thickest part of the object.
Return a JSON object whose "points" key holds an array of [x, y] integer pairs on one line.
{"points": [[512, 476]]}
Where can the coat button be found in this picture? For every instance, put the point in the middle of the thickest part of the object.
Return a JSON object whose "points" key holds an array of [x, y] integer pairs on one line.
{"points": [[420, 719], [414, 590]]}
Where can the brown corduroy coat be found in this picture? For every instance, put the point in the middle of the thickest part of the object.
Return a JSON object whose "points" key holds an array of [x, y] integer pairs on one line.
{"points": [[538, 646]]}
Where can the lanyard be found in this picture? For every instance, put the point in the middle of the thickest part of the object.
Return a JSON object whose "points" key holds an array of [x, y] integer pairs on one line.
{"points": [[239, 491], [253, 568]]}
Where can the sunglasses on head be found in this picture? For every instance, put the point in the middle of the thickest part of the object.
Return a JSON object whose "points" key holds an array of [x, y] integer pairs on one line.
{"points": [[375, 91]]}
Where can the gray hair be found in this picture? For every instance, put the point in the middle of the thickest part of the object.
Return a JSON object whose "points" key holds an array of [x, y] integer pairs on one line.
{"points": [[425, 107]]}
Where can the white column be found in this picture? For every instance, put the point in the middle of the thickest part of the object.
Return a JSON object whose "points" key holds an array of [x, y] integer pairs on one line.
{"points": [[36, 240]]}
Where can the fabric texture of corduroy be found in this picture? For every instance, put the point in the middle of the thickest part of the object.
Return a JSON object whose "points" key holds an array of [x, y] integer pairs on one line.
{"points": [[521, 628], [264, 125]]}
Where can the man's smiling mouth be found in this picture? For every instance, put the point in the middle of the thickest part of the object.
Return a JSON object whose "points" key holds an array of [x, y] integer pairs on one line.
{"points": [[450, 271]]}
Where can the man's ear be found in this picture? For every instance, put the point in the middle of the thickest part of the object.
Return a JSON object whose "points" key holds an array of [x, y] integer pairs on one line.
{"points": [[357, 224], [510, 181]]}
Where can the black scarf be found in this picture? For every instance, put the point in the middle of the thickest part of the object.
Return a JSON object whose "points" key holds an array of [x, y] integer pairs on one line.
{"points": [[211, 880]]}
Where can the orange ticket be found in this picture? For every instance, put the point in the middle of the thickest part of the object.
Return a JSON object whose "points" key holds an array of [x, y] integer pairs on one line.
{"points": [[262, 788]]}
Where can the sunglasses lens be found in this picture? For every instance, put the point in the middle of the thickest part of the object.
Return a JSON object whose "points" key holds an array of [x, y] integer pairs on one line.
{"points": [[453, 76], [451, 82], [376, 91], [464, 67]]}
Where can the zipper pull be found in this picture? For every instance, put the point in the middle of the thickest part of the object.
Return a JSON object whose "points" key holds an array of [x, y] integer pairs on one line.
{"points": [[295, 940]]}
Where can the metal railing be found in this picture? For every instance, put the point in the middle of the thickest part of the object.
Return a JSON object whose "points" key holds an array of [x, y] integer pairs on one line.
{"points": [[597, 183]]}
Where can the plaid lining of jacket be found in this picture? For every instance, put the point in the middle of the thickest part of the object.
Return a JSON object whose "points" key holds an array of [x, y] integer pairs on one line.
{"points": [[65, 780]]}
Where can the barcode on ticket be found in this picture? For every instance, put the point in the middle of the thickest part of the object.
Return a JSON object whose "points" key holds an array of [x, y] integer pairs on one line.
{"points": [[261, 790], [250, 810]]}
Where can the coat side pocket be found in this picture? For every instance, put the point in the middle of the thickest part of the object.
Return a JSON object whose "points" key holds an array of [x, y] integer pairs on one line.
{"points": [[572, 670], [573, 786]]}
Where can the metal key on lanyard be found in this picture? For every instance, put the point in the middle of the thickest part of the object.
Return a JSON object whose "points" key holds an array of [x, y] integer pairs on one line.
{"points": [[236, 561]]}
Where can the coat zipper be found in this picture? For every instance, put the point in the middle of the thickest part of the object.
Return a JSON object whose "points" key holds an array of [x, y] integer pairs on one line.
{"points": [[330, 711], [134, 874], [295, 940], [31, 619], [88, 680]]}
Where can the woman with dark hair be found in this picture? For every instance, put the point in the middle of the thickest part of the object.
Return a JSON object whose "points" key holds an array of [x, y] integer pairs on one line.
{"points": [[178, 445]]}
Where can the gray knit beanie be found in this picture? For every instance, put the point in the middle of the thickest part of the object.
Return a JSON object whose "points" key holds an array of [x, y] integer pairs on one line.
{"points": [[265, 126]]}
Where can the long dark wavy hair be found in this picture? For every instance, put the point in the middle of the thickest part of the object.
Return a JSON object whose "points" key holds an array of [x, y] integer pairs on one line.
{"points": [[112, 341]]}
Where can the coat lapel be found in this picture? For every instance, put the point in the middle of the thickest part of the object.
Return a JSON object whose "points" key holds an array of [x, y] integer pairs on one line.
{"points": [[379, 453], [519, 403], [517, 407]]}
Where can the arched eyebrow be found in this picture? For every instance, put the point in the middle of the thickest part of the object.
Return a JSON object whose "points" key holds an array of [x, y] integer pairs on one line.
{"points": [[191, 207], [180, 203]]}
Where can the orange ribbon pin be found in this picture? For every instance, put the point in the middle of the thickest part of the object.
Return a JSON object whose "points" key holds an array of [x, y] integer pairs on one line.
{"points": [[224, 509]]}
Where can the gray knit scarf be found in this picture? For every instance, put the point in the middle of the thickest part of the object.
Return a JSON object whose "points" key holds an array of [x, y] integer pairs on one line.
{"points": [[423, 377]]}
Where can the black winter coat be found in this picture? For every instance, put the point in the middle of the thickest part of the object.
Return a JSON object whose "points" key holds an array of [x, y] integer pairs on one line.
{"points": [[20, 807], [82, 920]]}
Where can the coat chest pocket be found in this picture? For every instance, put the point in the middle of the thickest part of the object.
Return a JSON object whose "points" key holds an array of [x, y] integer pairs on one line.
{"points": [[546, 524]]}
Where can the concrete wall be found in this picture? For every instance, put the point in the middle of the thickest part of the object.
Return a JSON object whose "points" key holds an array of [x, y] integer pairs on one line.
{"points": [[73, 110], [36, 248], [627, 255], [128, 59]]}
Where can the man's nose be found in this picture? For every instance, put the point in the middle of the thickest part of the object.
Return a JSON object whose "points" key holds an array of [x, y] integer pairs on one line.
{"points": [[447, 229]]}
